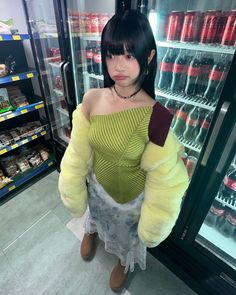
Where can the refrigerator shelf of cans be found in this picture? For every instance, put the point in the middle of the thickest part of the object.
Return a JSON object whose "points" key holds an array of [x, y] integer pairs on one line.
{"points": [[214, 27], [88, 27], [195, 53]]}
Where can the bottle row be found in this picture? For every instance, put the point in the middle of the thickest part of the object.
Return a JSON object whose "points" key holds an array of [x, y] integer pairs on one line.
{"points": [[94, 58], [210, 27], [193, 73], [223, 219], [192, 123]]}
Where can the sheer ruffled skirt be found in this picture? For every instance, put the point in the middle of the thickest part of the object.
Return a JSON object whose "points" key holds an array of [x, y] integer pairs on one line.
{"points": [[116, 224]]}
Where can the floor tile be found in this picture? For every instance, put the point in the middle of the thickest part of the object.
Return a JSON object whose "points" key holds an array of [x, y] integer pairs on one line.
{"points": [[21, 212], [76, 226], [47, 260], [9, 283], [62, 213]]}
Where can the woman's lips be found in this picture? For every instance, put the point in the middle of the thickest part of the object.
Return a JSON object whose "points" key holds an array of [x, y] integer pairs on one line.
{"points": [[120, 77]]}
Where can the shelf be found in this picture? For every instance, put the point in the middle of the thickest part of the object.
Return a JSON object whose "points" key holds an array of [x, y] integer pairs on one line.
{"points": [[22, 142], [63, 111], [88, 36], [18, 76], [26, 176], [15, 37], [21, 111], [192, 100], [190, 144], [198, 46], [229, 203], [99, 77]]}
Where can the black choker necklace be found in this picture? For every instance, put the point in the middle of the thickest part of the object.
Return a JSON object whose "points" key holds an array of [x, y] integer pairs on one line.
{"points": [[126, 97]]}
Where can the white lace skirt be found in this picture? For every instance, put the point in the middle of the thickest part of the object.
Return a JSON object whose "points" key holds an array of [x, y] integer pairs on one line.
{"points": [[116, 224]]}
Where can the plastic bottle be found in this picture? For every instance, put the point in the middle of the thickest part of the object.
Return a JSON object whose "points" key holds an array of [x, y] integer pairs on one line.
{"points": [[191, 124], [193, 74]]}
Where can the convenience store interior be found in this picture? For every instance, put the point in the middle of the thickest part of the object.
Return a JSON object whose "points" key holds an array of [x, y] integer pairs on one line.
{"points": [[39, 252]]}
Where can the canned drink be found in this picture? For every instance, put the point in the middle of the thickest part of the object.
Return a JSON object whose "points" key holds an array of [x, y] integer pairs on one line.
{"points": [[102, 20], [221, 26], [191, 165], [229, 35], [94, 23], [174, 26], [190, 29], [210, 26], [87, 22]]}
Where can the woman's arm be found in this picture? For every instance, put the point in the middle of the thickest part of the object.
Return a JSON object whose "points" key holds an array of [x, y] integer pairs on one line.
{"points": [[75, 166], [166, 182]]}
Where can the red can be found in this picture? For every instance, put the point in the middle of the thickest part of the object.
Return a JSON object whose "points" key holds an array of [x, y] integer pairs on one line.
{"points": [[190, 28], [94, 23], [103, 19], [174, 26], [229, 36], [210, 26], [221, 26]]}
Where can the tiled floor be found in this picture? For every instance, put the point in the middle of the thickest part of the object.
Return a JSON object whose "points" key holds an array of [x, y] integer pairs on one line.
{"points": [[39, 252]]}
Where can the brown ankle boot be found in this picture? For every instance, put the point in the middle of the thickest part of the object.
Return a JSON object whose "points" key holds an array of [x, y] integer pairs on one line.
{"points": [[87, 249], [118, 278]]}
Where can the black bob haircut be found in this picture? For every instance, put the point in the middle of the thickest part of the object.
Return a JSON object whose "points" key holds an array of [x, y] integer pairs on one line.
{"points": [[130, 29]]}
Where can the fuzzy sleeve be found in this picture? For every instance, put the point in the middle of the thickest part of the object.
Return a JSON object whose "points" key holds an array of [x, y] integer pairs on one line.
{"points": [[166, 182], [75, 166]]}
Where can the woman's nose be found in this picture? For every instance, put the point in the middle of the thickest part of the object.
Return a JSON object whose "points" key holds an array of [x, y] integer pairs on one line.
{"points": [[119, 63]]}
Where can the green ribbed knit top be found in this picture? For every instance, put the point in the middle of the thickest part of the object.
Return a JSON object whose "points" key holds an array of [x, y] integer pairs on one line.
{"points": [[118, 141]]}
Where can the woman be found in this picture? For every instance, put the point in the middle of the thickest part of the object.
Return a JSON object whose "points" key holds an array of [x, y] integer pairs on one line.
{"points": [[122, 143]]}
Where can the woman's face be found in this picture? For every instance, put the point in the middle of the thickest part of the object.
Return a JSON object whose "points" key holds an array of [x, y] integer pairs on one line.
{"points": [[123, 69]]}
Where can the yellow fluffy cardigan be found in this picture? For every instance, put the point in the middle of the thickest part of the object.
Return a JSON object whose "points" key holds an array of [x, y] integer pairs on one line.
{"points": [[166, 181]]}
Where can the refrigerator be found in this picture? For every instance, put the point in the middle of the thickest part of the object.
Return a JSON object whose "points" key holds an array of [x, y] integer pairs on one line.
{"points": [[196, 44], [195, 81]]}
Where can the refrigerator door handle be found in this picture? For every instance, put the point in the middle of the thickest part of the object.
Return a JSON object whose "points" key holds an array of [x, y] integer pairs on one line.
{"points": [[64, 71], [227, 150], [214, 133]]}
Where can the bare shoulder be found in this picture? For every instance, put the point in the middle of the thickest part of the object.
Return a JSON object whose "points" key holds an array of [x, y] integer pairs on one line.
{"points": [[91, 98], [147, 100]]}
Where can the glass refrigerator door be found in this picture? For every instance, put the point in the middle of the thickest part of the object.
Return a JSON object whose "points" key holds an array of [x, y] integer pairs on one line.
{"points": [[195, 46], [43, 26], [218, 232], [86, 20]]}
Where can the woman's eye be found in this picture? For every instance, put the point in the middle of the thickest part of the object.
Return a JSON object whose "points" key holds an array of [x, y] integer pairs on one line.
{"points": [[109, 56], [130, 56]]}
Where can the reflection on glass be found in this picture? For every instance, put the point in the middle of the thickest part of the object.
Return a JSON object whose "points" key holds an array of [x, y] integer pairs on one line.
{"points": [[218, 232], [44, 29]]}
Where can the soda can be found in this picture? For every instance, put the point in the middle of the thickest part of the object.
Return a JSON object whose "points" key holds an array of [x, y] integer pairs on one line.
{"points": [[191, 163], [87, 22], [190, 29], [229, 36], [221, 27], [210, 26], [102, 20], [174, 26], [94, 23]]}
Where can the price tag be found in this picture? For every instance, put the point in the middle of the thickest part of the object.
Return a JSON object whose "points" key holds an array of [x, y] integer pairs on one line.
{"points": [[16, 37], [30, 75], [24, 111], [34, 137], [2, 118], [1, 38], [10, 116], [15, 78], [14, 146], [12, 188], [3, 151], [39, 106], [43, 132], [24, 141]]}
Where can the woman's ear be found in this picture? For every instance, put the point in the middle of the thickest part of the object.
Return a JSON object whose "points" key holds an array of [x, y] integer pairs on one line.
{"points": [[152, 53]]}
